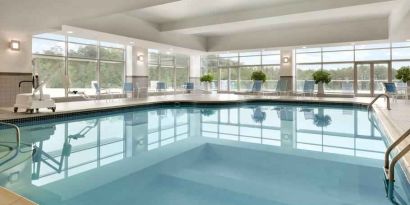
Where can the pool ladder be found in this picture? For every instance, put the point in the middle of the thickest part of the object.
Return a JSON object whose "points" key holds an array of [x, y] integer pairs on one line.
{"points": [[17, 148], [389, 166], [16, 128], [376, 98]]}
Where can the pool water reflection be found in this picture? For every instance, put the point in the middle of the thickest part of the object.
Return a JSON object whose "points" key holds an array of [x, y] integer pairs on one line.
{"points": [[65, 148]]}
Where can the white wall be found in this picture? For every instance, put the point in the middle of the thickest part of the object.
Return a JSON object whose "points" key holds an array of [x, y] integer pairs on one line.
{"points": [[15, 61], [365, 30], [399, 21]]}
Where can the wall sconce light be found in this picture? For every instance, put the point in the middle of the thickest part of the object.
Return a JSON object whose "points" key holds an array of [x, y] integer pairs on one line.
{"points": [[285, 59], [140, 58], [15, 45]]}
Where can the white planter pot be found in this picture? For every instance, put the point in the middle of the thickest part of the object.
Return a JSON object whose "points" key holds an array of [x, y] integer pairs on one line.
{"points": [[320, 90], [207, 86]]}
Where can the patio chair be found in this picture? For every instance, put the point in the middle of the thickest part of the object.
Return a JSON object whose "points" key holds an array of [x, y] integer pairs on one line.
{"points": [[308, 88], [391, 90], [129, 88], [189, 87], [347, 87], [161, 87], [281, 87], [257, 86], [98, 90], [402, 90]]}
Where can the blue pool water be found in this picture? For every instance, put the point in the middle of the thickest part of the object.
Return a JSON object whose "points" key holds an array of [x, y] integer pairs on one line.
{"points": [[250, 153]]}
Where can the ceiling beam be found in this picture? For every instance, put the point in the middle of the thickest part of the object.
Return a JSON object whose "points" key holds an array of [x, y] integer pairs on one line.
{"points": [[33, 16], [266, 16]]}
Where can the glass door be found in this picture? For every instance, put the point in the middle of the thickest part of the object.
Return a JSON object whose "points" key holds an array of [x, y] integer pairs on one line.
{"points": [[363, 79], [234, 80], [224, 79], [381, 75], [370, 76]]}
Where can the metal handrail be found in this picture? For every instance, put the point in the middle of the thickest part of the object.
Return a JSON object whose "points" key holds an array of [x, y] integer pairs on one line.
{"points": [[376, 98], [17, 132], [389, 167]]}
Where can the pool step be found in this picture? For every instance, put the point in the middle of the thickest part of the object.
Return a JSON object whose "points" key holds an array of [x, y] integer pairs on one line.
{"points": [[281, 187], [168, 190], [8, 197]]}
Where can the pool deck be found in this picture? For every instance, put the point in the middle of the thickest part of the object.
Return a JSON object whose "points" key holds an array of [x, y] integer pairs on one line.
{"points": [[394, 122]]}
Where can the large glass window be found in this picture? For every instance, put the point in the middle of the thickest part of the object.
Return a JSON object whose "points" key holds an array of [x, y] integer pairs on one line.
{"points": [[172, 69], [112, 75], [304, 72], [342, 77], [232, 71], [87, 61], [339, 61], [51, 70], [82, 73], [272, 76]]}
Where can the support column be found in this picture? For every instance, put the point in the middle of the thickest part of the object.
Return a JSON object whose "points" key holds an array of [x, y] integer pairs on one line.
{"points": [[286, 68], [137, 68], [195, 70]]}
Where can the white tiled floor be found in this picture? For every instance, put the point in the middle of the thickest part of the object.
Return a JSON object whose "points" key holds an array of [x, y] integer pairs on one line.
{"points": [[68, 107]]}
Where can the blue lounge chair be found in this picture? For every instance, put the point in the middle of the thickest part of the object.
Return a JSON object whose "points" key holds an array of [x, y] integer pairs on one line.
{"points": [[189, 87], [129, 88], [257, 86], [161, 86], [391, 90], [281, 87], [99, 91], [308, 88]]}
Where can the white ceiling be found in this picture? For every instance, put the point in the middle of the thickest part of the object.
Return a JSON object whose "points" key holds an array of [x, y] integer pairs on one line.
{"points": [[39, 15], [186, 9], [201, 24], [224, 17]]}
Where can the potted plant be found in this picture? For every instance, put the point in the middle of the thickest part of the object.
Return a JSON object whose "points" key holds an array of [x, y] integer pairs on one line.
{"points": [[258, 75], [207, 79], [321, 77], [403, 74]]}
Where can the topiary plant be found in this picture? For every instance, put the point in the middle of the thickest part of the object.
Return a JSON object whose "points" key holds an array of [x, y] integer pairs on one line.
{"points": [[207, 78], [258, 75], [322, 77], [403, 74]]}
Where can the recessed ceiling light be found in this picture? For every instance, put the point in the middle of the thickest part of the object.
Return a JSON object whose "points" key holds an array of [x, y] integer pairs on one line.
{"points": [[70, 32], [304, 47], [132, 42]]}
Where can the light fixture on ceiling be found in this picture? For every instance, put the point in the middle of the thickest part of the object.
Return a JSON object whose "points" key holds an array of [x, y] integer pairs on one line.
{"points": [[132, 42], [15, 45], [285, 59], [304, 47], [140, 58], [408, 40], [70, 32]]}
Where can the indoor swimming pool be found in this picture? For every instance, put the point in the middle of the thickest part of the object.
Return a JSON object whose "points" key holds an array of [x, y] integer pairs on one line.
{"points": [[176, 154]]}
